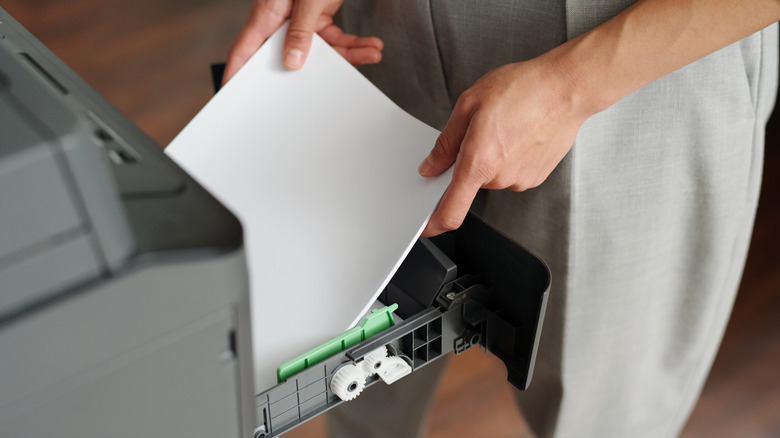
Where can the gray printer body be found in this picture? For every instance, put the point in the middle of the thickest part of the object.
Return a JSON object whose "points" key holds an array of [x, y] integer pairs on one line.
{"points": [[123, 285]]}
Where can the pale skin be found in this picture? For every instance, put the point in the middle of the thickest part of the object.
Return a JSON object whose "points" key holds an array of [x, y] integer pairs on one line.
{"points": [[517, 122]]}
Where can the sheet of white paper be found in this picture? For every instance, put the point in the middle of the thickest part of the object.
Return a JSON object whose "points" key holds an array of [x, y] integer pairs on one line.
{"points": [[321, 169]]}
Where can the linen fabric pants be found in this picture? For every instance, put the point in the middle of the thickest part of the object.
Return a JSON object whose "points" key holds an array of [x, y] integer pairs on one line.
{"points": [[645, 224]]}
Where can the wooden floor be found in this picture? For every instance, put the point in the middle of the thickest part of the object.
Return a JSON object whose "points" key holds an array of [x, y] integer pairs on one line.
{"points": [[150, 59]]}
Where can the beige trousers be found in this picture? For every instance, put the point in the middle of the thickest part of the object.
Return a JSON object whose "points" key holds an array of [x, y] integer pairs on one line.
{"points": [[645, 223]]}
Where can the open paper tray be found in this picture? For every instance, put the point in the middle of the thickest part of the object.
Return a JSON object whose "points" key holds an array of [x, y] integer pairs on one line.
{"points": [[475, 286]]}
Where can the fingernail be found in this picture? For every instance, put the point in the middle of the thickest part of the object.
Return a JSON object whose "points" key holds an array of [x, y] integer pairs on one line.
{"points": [[293, 59], [425, 166]]}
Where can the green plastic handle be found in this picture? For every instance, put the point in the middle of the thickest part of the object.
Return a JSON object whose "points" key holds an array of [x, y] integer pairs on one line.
{"points": [[376, 322]]}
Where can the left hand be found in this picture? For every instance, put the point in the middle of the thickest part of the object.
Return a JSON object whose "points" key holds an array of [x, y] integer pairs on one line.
{"points": [[509, 130], [306, 17]]}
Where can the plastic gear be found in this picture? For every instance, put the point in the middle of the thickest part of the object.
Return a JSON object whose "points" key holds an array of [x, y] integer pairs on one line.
{"points": [[374, 361], [348, 382]]}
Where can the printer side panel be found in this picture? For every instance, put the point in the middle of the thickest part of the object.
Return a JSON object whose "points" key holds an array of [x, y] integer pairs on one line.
{"points": [[124, 307], [155, 352]]}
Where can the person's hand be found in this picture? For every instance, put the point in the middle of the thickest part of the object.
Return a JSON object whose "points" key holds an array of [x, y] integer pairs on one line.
{"points": [[516, 123], [306, 17], [509, 130]]}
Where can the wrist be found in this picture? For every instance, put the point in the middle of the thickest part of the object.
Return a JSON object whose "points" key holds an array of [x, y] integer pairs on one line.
{"points": [[586, 82]]}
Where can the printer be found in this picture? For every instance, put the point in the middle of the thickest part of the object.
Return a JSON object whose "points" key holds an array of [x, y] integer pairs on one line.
{"points": [[124, 299]]}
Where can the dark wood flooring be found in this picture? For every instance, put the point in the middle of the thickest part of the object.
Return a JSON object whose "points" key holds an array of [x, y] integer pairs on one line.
{"points": [[150, 58]]}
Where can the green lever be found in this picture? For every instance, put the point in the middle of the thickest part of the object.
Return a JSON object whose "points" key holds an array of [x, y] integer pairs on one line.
{"points": [[376, 322]]}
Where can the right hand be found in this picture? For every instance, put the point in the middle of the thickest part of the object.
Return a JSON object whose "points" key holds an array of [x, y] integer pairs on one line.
{"points": [[306, 17]]}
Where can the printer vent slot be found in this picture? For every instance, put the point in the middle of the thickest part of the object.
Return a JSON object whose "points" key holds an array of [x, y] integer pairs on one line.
{"points": [[232, 342], [115, 151], [43, 72], [115, 147]]}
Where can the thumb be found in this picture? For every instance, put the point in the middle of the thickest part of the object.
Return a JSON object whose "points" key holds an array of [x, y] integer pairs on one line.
{"points": [[446, 149], [297, 42]]}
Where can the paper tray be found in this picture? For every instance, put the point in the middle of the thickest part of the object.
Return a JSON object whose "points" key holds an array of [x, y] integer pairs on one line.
{"points": [[474, 286]]}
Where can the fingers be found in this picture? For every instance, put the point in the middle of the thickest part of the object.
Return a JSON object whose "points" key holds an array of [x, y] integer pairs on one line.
{"points": [[334, 36], [456, 201], [356, 50], [306, 17], [263, 20], [447, 146], [360, 55], [460, 140], [303, 24], [454, 205]]}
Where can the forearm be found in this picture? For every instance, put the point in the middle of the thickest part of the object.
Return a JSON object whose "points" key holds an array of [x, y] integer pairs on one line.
{"points": [[650, 40]]}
